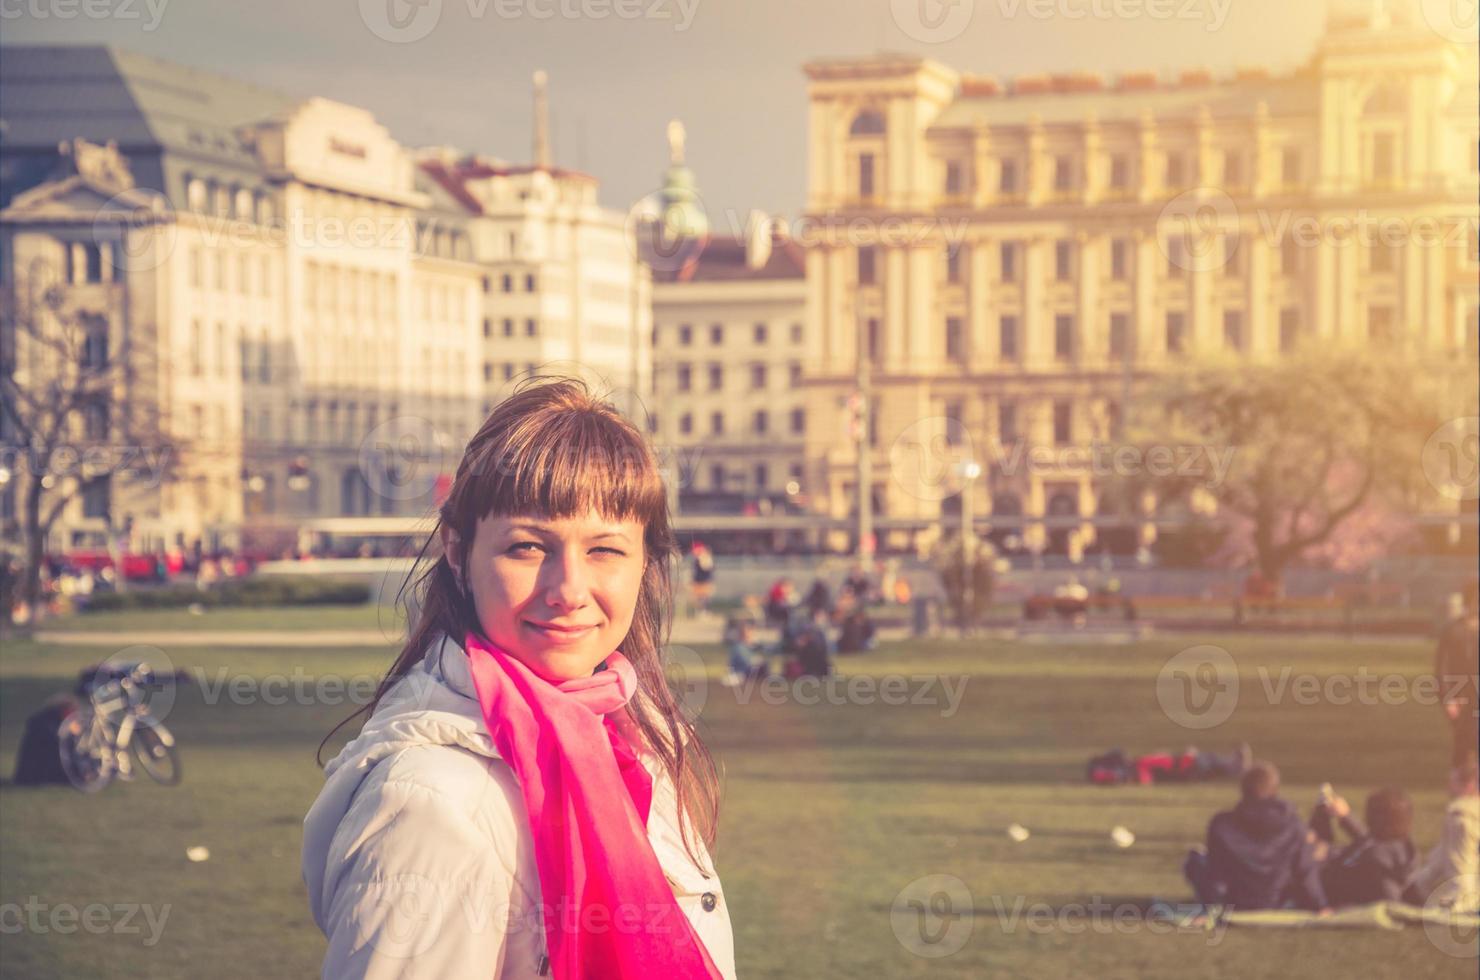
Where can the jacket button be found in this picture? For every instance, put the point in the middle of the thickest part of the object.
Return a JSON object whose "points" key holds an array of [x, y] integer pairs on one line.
{"points": [[708, 901]]}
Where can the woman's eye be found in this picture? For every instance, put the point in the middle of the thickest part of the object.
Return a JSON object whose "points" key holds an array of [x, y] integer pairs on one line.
{"points": [[518, 548], [611, 551]]}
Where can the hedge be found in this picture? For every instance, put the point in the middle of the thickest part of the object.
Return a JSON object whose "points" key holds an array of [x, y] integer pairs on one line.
{"points": [[275, 590]]}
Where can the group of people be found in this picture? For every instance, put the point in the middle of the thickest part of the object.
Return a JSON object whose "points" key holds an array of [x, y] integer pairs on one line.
{"points": [[1261, 854]]}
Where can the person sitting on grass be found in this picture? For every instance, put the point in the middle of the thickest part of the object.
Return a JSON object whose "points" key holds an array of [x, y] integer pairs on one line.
{"points": [[747, 656], [1376, 865], [1258, 855], [1449, 876]]}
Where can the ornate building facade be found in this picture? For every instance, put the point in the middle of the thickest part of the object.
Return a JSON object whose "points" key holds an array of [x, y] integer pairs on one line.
{"points": [[1002, 264]]}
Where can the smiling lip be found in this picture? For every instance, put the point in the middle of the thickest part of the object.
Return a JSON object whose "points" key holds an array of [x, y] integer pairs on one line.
{"points": [[558, 632]]}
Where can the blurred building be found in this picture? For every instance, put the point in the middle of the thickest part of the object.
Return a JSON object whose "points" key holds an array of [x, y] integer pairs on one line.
{"points": [[1007, 260], [321, 315], [728, 343]]}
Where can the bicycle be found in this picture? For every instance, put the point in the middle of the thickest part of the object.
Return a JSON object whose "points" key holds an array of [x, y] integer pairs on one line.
{"points": [[102, 738]]}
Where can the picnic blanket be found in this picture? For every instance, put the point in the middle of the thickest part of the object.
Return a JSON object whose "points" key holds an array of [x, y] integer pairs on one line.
{"points": [[1377, 915]]}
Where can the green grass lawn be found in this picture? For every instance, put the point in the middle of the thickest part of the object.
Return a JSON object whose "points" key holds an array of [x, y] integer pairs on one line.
{"points": [[367, 617], [831, 810]]}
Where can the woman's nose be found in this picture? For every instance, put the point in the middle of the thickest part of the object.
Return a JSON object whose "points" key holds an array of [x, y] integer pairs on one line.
{"points": [[566, 586]]}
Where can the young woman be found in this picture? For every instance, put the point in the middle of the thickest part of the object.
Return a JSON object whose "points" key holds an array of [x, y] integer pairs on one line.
{"points": [[527, 797]]}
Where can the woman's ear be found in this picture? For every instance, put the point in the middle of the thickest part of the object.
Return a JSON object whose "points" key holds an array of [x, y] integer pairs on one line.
{"points": [[450, 541]]}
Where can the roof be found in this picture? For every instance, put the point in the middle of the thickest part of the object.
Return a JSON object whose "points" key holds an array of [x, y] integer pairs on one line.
{"points": [[722, 259], [451, 177], [49, 93], [1031, 100]]}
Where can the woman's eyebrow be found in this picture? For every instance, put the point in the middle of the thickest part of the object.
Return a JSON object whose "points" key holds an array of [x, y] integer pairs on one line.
{"points": [[544, 529]]}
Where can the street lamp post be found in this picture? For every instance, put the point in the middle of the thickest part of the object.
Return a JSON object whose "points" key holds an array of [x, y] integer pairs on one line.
{"points": [[970, 470], [865, 457]]}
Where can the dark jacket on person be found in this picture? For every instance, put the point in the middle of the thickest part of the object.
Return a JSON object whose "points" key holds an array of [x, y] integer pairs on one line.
{"points": [[1367, 869], [1259, 852]]}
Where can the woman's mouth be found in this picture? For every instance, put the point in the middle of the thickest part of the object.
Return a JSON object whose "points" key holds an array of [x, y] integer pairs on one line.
{"points": [[557, 633]]}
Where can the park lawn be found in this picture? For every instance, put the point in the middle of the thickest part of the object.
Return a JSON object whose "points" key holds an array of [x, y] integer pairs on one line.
{"points": [[366, 616], [830, 811]]}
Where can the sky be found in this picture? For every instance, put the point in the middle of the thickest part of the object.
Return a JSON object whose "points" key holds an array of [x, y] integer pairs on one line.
{"points": [[457, 72]]}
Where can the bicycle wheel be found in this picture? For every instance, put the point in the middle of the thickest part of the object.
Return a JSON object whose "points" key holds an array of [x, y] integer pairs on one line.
{"points": [[89, 766], [155, 749]]}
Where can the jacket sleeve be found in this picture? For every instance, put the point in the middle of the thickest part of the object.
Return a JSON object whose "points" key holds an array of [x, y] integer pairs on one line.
{"points": [[424, 894]]}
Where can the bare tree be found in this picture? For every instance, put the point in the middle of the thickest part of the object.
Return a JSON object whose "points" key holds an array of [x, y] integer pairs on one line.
{"points": [[79, 410]]}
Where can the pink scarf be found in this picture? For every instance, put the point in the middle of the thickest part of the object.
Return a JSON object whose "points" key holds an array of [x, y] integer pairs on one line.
{"points": [[608, 910]]}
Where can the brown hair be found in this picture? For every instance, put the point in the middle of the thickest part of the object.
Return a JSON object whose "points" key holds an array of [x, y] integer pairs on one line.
{"points": [[1390, 814], [553, 450], [1261, 781]]}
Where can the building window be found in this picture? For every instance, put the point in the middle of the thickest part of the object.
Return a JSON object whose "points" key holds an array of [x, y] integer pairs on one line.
{"points": [[758, 377], [865, 175], [1006, 422], [796, 333], [1289, 328], [1384, 158], [1063, 422], [760, 422], [487, 371], [874, 347], [1177, 251], [1119, 335], [954, 183], [794, 373], [798, 421], [685, 377], [1120, 172], [953, 263], [1233, 168], [1289, 256], [1176, 172], [507, 283], [1063, 261], [1063, 336], [1009, 256], [1008, 338], [487, 327], [762, 476], [1233, 330], [1007, 177], [717, 477], [508, 372], [1119, 260], [1063, 174], [530, 283], [95, 497], [867, 262], [685, 334], [955, 429], [716, 333], [686, 424], [508, 326], [1380, 321], [1176, 332], [1292, 170], [759, 333], [95, 347], [717, 423], [531, 327], [1233, 254], [716, 377], [955, 342]]}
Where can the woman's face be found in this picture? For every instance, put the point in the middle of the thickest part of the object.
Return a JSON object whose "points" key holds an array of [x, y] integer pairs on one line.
{"points": [[557, 594]]}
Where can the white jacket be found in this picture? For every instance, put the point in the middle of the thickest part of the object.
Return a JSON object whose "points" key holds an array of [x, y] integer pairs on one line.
{"points": [[418, 856]]}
